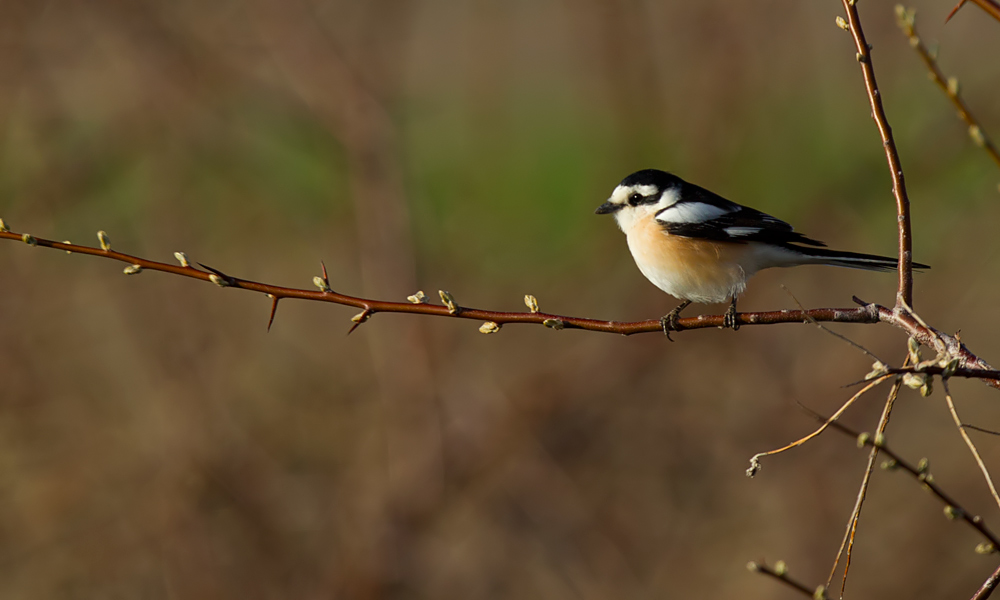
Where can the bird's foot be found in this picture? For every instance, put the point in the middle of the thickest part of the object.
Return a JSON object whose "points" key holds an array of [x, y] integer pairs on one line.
{"points": [[731, 320], [669, 321]]}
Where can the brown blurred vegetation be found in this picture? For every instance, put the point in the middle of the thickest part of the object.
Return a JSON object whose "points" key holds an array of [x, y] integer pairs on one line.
{"points": [[155, 442]]}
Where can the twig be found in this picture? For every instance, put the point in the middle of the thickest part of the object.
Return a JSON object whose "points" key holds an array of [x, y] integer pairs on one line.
{"points": [[982, 429], [755, 459], [828, 330], [847, 544], [780, 572], [985, 374], [905, 291], [988, 586], [968, 442], [921, 473], [990, 6], [907, 22]]}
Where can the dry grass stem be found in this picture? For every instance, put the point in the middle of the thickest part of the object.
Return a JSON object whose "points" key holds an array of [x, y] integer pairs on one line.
{"points": [[969, 442]]}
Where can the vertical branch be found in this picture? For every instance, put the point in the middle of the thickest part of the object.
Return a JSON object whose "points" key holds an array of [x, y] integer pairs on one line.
{"points": [[904, 292]]}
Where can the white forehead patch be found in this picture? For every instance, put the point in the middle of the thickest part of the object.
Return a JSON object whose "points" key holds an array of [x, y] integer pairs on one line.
{"points": [[621, 193], [690, 212]]}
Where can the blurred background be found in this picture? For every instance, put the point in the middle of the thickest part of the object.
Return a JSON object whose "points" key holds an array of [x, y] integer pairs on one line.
{"points": [[157, 442]]}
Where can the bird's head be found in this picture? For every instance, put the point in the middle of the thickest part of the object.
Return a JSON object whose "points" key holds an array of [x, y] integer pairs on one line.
{"points": [[639, 195]]}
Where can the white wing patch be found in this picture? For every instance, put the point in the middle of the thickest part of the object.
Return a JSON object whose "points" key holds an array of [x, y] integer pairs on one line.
{"points": [[690, 212], [741, 231]]}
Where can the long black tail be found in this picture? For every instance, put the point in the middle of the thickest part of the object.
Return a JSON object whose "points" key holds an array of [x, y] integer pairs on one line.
{"points": [[854, 260]]}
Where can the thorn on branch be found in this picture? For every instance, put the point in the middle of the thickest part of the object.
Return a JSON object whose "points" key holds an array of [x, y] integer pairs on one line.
{"points": [[449, 301], [419, 298], [182, 259], [218, 277], [955, 10], [102, 236], [360, 318], [274, 309], [323, 283]]}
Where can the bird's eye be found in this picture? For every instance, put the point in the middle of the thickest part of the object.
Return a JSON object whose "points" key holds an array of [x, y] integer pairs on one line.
{"points": [[635, 199]]}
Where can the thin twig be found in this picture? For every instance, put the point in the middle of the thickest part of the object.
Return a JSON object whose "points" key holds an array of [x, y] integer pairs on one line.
{"points": [[780, 573], [986, 590], [905, 291], [755, 459], [907, 22], [952, 508], [985, 374], [828, 330], [982, 429], [969, 443], [847, 544]]}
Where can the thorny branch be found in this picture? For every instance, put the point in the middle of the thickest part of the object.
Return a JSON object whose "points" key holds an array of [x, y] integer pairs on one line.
{"points": [[450, 308], [907, 22], [969, 365], [905, 292]]}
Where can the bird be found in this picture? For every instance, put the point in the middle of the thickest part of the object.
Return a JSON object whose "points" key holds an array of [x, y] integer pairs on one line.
{"points": [[699, 247]]}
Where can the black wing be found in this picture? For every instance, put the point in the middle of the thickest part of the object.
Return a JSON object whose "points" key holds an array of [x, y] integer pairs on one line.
{"points": [[704, 215]]}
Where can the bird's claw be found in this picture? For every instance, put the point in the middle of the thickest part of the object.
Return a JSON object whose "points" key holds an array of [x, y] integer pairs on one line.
{"points": [[731, 320], [669, 323]]}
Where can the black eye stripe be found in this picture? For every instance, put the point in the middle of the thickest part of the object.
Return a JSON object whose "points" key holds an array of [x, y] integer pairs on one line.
{"points": [[635, 199]]}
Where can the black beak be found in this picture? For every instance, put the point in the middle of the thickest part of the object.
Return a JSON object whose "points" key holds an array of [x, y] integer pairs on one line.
{"points": [[607, 208]]}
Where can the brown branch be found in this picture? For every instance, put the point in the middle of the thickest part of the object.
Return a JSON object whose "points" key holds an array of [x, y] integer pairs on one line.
{"points": [[907, 22], [990, 6], [921, 473], [942, 343], [780, 572], [986, 590], [863, 314], [905, 291]]}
